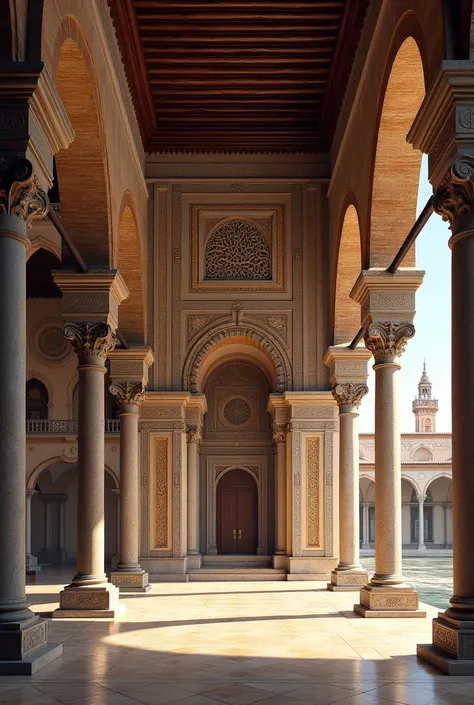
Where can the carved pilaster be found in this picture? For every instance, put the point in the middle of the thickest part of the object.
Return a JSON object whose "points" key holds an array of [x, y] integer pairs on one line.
{"points": [[388, 338], [128, 393], [349, 393], [20, 192], [91, 341]]}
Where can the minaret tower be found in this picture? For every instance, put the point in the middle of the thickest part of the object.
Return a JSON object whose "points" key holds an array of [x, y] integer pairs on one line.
{"points": [[424, 406]]}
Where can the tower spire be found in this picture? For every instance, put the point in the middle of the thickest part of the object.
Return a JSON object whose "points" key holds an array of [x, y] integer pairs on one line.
{"points": [[425, 407]]}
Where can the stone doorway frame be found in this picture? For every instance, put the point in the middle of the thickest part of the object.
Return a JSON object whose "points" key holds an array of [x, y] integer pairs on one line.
{"points": [[257, 467]]}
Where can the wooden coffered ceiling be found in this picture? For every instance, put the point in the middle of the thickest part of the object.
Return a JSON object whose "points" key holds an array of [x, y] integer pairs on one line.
{"points": [[237, 75]]}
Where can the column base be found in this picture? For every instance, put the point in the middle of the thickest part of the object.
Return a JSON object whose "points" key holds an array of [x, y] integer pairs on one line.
{"points": [[23, 647], [452, 650], [388, 601], [32, 564], [422, 548], [347, 580], [130, 582], [89, 602]]}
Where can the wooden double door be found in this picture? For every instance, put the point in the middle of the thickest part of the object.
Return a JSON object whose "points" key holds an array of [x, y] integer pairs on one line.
{"points": [[237, 513]]}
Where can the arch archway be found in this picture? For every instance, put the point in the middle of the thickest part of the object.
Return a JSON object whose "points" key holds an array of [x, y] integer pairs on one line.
{"points": [[397, 165], [256, 340], [37, 400], [348, 267], [132, 312], [82, 169]]}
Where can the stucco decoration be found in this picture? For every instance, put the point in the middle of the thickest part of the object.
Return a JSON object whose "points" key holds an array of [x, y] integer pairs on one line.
{"points": [[237, 250], [237, 411], [247, 333]]}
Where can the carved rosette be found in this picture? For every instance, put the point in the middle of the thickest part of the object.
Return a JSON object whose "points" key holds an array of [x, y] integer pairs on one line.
{"points": [[454, 197], [128, 392], [349, 393], [193, 434], [20, 192], [91, 341], [388, 338]]}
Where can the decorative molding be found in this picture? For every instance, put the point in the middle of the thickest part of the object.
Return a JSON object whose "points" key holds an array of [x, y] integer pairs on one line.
{"points": [[237, 250], [312, 493], [161, 534], [91, 341], [388, 338], [328, 492]]}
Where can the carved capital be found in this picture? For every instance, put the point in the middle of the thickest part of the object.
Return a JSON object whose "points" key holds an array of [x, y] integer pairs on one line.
{"points": [[454, 198], [193, 434], [91, 341], [128, 392], [349, 393], [279, 435], [20, 192], [388, 338]]}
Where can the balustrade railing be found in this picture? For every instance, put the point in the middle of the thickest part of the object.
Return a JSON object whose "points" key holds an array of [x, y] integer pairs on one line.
{"points": [[65, 426]]}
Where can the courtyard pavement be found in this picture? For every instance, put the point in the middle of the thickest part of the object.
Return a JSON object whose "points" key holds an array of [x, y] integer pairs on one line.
{"points": [[281, 643]]}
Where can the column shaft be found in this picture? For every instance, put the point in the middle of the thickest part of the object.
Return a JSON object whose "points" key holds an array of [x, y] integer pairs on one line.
{"points": [[365, 526], [280, 503], [388, 494], [13, 603], [91, 533], [129, 490], [29, 495], [421, 524], [193, 495]]}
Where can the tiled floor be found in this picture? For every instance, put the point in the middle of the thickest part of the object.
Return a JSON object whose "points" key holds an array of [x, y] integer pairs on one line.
{"points": [[235, 643]]}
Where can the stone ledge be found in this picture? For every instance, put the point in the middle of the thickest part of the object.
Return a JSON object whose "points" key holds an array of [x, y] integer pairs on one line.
{"points": [[32, 662]]}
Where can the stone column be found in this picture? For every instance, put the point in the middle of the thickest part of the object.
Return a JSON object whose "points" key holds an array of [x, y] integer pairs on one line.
{"points": [[421, 522], [348, 374], [365, 526], [129, 576], [62, 527], [193, 437], [23, 646], [195, 410], [31, 561], [129, 375], [279, 436], [90, 303], [388, 305], [116, 557]]}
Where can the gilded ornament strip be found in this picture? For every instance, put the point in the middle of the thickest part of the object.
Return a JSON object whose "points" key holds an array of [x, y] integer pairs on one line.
{"points": [[312, 493], [161, 493]]}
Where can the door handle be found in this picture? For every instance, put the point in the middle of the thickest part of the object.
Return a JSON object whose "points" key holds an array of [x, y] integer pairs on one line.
{"points": [[240, 534], [234, 533]]}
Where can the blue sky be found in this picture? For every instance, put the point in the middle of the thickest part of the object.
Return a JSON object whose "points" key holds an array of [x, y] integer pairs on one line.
{"points": [[432, 322]]}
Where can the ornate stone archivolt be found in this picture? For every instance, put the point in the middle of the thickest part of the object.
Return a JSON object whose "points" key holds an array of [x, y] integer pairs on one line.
{"points": [[90, 340], [20, 192], [349, 393], [128, 392], [237, 250], [255, 338], [388, 338]]}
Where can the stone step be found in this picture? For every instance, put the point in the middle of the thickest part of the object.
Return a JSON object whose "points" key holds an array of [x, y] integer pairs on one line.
{"points": [[237, 560], [236, 573]]}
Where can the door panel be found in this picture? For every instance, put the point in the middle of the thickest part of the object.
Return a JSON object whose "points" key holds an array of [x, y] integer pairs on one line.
{"points": [[237, 518]]}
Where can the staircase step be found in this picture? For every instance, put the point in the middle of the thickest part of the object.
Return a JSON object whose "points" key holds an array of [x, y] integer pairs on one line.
{"points": [[238, 573], [236, 559]]}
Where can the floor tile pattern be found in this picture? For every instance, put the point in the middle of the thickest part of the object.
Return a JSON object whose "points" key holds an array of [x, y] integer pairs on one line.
{"points": [[235, 644]]}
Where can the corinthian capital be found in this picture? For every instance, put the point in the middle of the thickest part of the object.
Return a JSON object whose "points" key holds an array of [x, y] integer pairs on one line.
{"points": [[128, 392], [388, 338], [454, 198], [20, 192], [91, 341], [279, 435], [349, 393], [193, 434]]}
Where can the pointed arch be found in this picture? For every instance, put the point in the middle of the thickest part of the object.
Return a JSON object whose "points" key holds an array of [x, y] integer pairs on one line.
{"points": [[348, 267], [83, 176], [397, 165], [130, 263]]}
